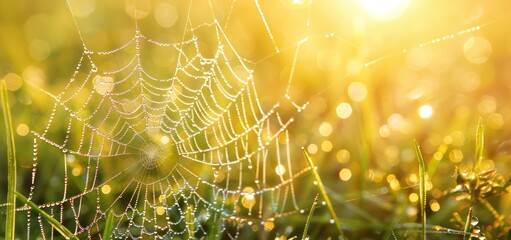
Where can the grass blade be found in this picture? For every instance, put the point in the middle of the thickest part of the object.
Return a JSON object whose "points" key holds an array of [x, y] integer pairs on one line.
{"points": [[479, 147], [107, 232], [11, 165], [422, 188], [56, 224], [311, 212], [323, 192], [467, 224]]}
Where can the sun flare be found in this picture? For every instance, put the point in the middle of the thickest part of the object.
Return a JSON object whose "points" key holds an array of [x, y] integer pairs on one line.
{"points": [[384, 9]]}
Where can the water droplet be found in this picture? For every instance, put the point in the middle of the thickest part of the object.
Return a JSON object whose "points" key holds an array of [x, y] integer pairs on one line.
{"points": [[474, 221], [94, 68]]}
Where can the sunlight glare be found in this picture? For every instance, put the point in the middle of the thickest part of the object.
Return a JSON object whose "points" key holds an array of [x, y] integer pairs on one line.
{"points": [[425, 111], [384, 9]]}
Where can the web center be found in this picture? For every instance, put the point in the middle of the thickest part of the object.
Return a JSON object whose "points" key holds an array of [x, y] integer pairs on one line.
{"points": [[152, 155]]}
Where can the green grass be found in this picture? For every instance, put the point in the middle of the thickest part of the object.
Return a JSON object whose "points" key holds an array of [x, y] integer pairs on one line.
{"points": [[107, 232], [467, 223], [56, 224], [479, 147], [309, 217], [422, 189], [11, 165], [323, 193], [11, 178]]}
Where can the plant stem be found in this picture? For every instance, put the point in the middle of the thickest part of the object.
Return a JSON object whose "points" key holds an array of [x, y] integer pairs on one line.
{"points": [[323, 192], [107, 232], [311, 212], [422, 188], [467, 223], [479, 148], [56, 224], [492, 210], [11, 165]]}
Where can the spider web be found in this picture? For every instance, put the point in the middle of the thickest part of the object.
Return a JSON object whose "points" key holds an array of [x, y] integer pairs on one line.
{"points": [[167, 156]]}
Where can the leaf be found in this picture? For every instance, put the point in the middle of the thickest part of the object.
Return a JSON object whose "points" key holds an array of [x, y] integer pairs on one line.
{"points": [[323, 192], [107, 232], [479, 146], [56, 224], [422, 188], [508, 183], [311, 212], [11, 165]]}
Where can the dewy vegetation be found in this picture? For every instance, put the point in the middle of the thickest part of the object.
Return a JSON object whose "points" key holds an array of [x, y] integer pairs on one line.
{"points": [[252, 119]]}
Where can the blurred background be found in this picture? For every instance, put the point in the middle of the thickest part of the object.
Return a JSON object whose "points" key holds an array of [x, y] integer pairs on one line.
{"points": [[376, 75]]}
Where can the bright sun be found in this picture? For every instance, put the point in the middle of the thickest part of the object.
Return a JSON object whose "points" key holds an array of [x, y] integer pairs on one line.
{"points": [[384, 9]]}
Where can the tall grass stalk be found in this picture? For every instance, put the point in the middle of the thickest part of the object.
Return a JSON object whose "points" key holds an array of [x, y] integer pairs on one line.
{"points": [[479, 148], [11, 165], [467, 224], [323, 192], [107, 232], [56, 224], [422, 188], [311, 212]]}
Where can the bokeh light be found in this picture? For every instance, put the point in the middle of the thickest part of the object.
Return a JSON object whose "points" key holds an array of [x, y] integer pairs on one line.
{"points": [[325, 129], [106, 189], [165, 14], [345, 174], [425, 111], [103, 84], [477, 50], [344, 110], [280, 170], [164, 139], [13, 82], [22, 129], [357, 91], [343, 156]]}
